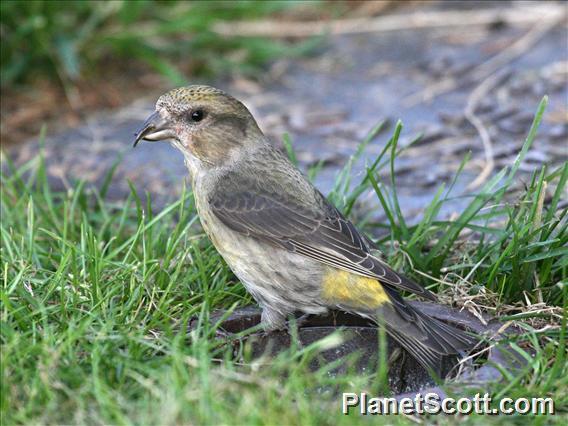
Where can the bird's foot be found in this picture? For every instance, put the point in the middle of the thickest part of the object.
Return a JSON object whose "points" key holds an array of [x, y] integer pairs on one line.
{"points": [[291, 326], [297, 322]]}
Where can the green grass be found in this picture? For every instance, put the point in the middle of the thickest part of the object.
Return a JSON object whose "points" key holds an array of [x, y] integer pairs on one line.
{"points": [[72, 40], [96, 295]]}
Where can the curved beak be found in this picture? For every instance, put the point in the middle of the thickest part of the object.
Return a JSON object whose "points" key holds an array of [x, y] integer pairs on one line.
{"points": [[155, 128]]}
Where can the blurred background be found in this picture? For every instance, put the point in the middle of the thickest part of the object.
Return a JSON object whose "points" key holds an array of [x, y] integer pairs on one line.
{"points": [[465, 76], [63, 59]]}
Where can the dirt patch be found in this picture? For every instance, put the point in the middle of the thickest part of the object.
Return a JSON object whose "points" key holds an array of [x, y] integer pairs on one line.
{"points": [[25, 109]]}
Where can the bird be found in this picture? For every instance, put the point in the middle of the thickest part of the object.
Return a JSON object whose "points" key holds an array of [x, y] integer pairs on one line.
{"points": [[290, 247]]}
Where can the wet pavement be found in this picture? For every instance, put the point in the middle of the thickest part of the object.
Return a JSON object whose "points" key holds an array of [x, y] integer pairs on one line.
{"points": [[329, 102], [357, 346]]}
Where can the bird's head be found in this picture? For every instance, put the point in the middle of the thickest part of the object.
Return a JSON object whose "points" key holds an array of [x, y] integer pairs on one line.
{"points": [[205, 123]]}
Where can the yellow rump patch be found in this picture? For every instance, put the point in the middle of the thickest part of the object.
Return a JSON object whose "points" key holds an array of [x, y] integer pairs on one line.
{"points": [[347, 289]]}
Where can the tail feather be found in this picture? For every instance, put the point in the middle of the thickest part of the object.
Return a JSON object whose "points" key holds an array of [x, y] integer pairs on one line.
{"points": [[454, 338], [426, 356], [427, 339]]}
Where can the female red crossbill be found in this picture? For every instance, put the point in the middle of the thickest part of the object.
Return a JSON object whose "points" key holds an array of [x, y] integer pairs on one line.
{"points": [[292, 249]]}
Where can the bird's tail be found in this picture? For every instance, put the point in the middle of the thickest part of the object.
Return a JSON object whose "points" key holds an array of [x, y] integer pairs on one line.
{"points": [[427, 339]]}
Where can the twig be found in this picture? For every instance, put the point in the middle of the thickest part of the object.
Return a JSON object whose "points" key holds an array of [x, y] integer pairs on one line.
{"points": [[423, 19], [488, 67], [372, 8], [476, 96]]}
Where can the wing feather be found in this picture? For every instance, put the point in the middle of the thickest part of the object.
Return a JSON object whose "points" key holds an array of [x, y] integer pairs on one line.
{"points": [[322, 234]]}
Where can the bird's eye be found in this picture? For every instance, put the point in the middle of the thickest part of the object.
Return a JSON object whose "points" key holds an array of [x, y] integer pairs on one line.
{"points": [[197, 115]]}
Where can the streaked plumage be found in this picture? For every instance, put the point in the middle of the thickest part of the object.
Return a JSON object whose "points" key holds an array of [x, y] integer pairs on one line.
{"points": [[289, 246]]}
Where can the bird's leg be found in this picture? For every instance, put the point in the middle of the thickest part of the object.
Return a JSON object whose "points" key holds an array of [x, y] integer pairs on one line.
{"points": [[300, 321], [272, 320]]}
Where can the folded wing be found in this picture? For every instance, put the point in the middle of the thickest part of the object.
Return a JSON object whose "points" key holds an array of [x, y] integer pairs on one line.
{"points": [[319, 232]]}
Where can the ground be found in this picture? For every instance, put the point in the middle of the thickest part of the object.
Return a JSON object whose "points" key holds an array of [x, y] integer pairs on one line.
{"points": [[99, 284], [329, 103]]}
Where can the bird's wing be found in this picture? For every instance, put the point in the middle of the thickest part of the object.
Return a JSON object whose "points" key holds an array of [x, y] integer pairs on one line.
{"points": [[318, 232]]}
